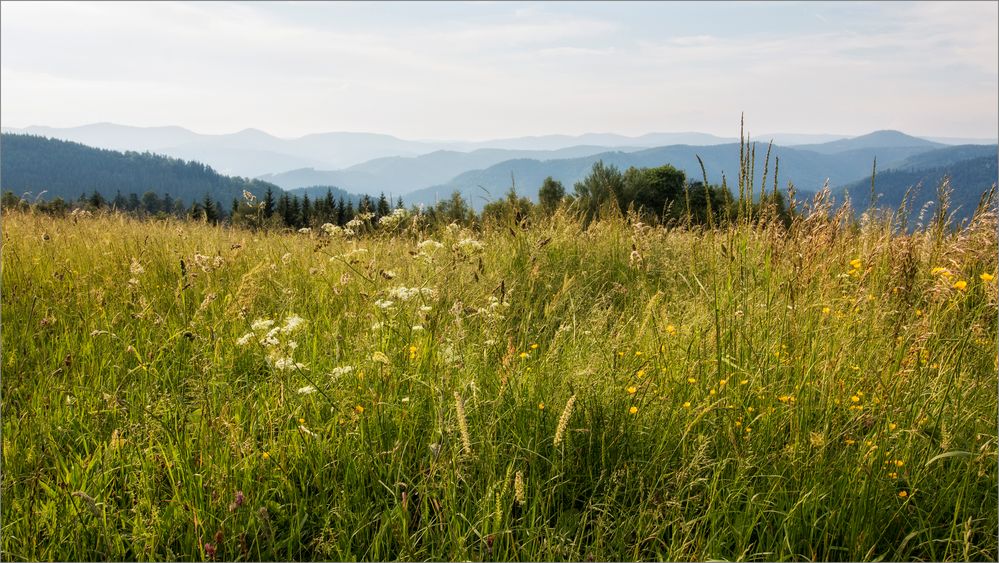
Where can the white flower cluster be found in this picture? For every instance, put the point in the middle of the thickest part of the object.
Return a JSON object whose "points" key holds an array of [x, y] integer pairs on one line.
{"points": [[305, 230], [274, 338], [335, 231], [339, 372], [406, 293], [250, 198], [426, 250], [393, 220], [468, 247], [208, 263]]}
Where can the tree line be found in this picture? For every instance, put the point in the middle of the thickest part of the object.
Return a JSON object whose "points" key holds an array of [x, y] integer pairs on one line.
{"points": [[659, 195]]}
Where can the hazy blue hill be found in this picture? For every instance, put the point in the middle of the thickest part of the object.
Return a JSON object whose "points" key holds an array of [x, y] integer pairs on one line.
{"points": [[877, 139], [807, 169], [399, 175], [67, 169], [969, 179], [946, 156]]}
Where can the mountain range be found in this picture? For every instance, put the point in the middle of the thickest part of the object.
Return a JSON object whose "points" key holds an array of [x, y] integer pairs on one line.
{"points": [[480, 174], [252, 153]]}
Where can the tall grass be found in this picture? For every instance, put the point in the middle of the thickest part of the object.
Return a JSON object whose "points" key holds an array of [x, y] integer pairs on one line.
{"points": [[824, 390]]}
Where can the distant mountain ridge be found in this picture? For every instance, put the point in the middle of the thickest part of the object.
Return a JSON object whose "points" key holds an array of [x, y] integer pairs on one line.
{"points": [[808, 169], [253, 153], [972, 170]]}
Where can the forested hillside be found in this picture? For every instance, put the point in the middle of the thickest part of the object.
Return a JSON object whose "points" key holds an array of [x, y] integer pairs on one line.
{"points": [[68, 170]]}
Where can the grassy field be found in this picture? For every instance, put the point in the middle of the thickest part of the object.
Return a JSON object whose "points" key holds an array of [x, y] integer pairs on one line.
{"points": [[184, 391]]}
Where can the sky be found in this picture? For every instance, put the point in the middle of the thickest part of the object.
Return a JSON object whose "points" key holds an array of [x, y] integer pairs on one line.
{"points": [[484, 70]]}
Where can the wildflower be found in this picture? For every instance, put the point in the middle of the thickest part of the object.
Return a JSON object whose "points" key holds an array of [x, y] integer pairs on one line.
{"points": [[919, 312], [359, 409], [245, 339], [265, 455], [210, 550], [380, 357], [893, 475], [903, 494], [383, 303], [305, 230], [287, 364], [899, 463], [136, 268], [892, 426], [712, 392], [563, 421], [638, 353], [671, 330], [292, 323], [518, 488], [987, 277], [855, 399], [237, 501], [938, 271], [686, 404], [826, 310], [534, 346], [524, 355], [855, 264], [632, 389], [849, 442], [466, 441], [633, 410], [743, 381], [691, 380], [541, 406], [261, 324], [307, 390], [960, 285], [340, 371], [640, 373]]}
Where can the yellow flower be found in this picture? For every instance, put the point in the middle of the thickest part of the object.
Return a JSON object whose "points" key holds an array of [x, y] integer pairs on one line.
{"points": [[903, 494], [541, 405], [524, 355], [712, 392], [686, 405], [640, 374], [632, 390], [893, 475], [637, 353], [534, 346], [743, 382], [738, 423], [855, 263], [301, 421], [691, 380], [938, 271], [849, 442], [855, 399], [723, 382], [412, 349], [633, 410], [892, 426], [620, 354], [265, 455], [826, 310], [359, 409], [987, 277], [899, 463], [961, 285], [670, 329], [919, 312]]}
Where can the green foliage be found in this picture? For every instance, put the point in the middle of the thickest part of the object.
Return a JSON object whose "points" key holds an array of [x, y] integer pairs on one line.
{"points": [[550, 195]]}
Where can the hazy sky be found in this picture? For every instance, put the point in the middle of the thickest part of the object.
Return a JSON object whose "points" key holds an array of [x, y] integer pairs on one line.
{"points": [[481, 70]]}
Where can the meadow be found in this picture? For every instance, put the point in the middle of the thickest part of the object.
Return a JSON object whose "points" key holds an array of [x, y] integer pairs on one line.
{"points": [[823, 389]]}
